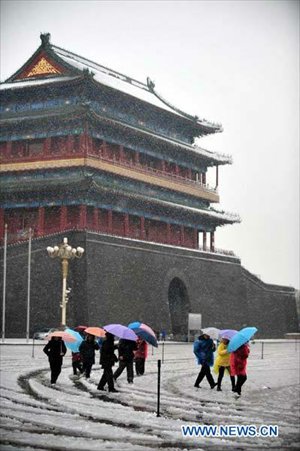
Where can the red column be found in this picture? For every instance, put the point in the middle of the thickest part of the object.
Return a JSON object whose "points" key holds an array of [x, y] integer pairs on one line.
{"points": [[95, 219], [204, 241], [104, 149], [136, 157], [63, 217], [196, 239], [176, 169], [82, 142], [47, 146], [190, 173], [1, 224], [82, 216], [122, 154], [203, 178], [5, 150], [70, 144], [212, 241], [168, 233], [182, 235], [41, 221], [109, 221], [163, 165], [142, 228], [126, 224]]}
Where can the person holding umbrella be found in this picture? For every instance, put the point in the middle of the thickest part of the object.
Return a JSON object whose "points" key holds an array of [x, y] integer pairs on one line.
{"points": [[140, 356], [238, 366], [55, 349], [239, 348], [204, 348], [126, 356], [222, 363], [87, 352], [107, 361]]}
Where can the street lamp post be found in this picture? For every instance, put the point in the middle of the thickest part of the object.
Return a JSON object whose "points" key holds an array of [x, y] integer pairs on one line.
{"points": [[65, 252]]}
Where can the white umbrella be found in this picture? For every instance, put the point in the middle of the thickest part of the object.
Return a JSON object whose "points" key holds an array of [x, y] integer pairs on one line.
{"points": [[213, 332]]}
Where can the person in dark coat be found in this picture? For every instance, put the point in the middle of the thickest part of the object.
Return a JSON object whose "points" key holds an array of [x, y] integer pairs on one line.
{"points": [[55, 349], [126, 356], [107, 361], [87, 351], [204, 348], [140, 356]]}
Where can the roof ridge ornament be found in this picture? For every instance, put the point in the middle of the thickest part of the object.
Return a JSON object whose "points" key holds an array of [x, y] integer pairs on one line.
{"points": [[151, 86], [45, 39]]}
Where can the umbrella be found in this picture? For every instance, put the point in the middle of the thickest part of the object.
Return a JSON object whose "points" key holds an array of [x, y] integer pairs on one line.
{"points": [[213, 332], [145, 332], [227, 333], [80, 328], [241, 338], [74, 346], [64, 335], [97, 331], [121, 331]]}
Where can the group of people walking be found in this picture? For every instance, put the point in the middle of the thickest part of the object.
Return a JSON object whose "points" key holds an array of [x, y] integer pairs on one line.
{"points": [[129, 352], [234, 363]]}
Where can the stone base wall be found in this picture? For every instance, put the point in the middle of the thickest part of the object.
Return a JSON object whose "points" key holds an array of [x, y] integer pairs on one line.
{"points": [[120, 280]]}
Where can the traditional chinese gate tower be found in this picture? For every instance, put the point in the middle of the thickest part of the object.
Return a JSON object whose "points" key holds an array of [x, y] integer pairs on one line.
{"points": [[92, 154]]}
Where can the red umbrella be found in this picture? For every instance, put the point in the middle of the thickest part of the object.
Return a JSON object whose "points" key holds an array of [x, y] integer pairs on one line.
{"points": [[80, 328]]}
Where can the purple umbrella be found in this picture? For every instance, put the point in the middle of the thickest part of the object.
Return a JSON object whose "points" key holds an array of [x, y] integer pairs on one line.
{"points": [[121, 331], [227, 333]]}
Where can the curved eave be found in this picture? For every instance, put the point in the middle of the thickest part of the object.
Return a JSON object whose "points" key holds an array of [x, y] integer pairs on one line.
{"points": [[82, 111]]}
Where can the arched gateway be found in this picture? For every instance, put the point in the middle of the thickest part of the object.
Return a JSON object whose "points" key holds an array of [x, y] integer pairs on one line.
{"points": [[179, 306]]}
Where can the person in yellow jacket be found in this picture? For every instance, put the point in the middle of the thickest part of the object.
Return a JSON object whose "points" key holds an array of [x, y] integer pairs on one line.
{"points": [[222, 363]]}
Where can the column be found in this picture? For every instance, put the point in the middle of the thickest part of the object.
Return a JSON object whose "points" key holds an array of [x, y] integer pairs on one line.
{"points": [[47, 146], [122, 153], [203, 178], [163, 165], [142, 228], [182, 235], [82, 216], [196, 239], [41, 221], [212, 241], [126, 224], [82, 143], [217, 176], [70, 144], [63, 217], [204, 240], [109, 221], [95, 219], [168, 233], [190, 175], [137, 157], [177, 169]]}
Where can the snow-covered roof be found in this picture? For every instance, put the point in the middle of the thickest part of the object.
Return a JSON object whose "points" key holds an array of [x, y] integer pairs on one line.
{"points": [[33, 82]]}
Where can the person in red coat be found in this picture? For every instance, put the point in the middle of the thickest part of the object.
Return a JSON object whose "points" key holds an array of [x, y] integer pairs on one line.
{"points": [[140, 356], [238, 366]]}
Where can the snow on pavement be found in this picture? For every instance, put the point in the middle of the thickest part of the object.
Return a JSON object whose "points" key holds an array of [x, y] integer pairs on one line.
{"points": [[74, 415]]}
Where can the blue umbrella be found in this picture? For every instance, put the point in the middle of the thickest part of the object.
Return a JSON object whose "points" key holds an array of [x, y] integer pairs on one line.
{"points": [[74, 346], [241, 338]]}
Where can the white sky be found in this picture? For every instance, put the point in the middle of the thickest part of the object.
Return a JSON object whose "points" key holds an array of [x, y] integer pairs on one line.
{"points": [[234, 62]]}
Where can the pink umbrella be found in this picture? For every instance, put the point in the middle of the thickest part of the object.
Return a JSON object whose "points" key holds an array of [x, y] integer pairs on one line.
{"points": [[63, 335]]}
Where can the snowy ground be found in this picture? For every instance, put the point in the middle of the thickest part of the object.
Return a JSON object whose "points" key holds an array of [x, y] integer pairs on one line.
{"points": [[73, 415]]}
